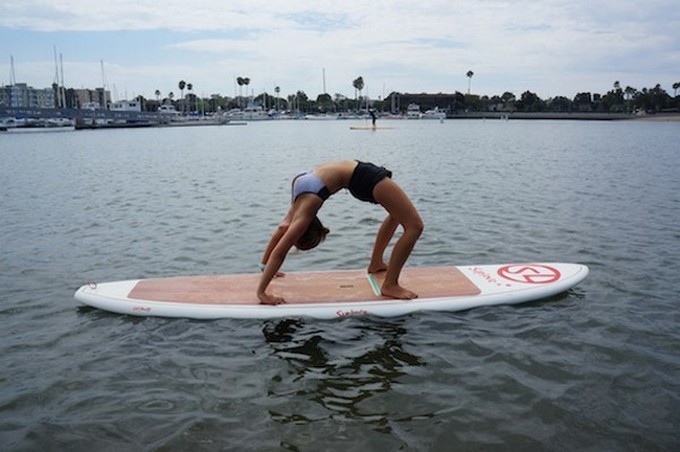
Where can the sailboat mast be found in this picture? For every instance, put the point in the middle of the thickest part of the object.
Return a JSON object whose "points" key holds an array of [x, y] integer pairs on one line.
{"points": [[104, 83], [62, 88], [56, 79], [12, 75]]}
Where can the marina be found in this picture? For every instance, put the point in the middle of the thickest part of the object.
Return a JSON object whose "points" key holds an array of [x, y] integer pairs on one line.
{"points": [[167, 116]]}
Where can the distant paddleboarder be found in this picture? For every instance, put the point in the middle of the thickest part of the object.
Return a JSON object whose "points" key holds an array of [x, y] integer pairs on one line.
{"points": [[373, 117], [301, 227]]}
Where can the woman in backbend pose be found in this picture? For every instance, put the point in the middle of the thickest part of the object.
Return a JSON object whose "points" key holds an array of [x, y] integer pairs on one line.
{"points": [[301, 227]]}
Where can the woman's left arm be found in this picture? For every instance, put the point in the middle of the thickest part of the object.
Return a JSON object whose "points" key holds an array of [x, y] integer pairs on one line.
{"points": [[276, 237]]}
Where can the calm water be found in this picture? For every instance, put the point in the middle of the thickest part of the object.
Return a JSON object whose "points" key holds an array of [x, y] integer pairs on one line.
{"points": [[597, 368]]}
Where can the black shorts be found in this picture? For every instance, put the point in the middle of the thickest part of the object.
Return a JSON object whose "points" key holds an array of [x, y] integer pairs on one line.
{"points": [[364, 179]]}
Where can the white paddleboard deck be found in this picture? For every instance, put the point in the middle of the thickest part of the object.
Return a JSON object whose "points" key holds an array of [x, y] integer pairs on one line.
{"points": [[332, 294]]}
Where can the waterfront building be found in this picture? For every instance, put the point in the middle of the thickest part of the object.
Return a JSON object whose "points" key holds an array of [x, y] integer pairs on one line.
{"points": [[20, 95], [92, 99]]}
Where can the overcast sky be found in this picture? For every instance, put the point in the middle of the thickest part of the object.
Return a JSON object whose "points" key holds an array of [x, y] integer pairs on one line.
{"points": [[550, 47]]}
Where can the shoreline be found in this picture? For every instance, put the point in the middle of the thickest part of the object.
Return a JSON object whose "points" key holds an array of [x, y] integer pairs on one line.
{"points": [[660, 117], [574, 116]]}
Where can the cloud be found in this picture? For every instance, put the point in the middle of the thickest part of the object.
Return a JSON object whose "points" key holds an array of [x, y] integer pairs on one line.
{"points": [[551, 47], [319, 21], [210, 45]]}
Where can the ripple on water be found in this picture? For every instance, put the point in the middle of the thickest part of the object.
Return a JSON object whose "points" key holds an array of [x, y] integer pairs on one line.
{"points": [[595, 368]]}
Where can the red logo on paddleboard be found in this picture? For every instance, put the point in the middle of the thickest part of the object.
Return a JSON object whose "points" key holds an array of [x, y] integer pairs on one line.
{"points": [[529, 274]]}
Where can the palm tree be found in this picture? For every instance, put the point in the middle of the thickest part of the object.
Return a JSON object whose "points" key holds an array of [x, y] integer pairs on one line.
{"points": [[242, 81], [181, 85], [358, 84], [246, 81], [618, 97], [190, 87], [629, 92], [469, 76], [676, 86], [277, 90], [239, 81], [158, 94]]}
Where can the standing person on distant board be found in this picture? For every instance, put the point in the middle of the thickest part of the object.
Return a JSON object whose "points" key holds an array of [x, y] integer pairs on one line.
{"points": [[301, 227], [373, 118]]}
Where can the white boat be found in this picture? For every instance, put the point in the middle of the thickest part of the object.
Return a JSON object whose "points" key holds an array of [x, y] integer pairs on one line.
{"points": [[91, 106], [12, 123], [58, 122], [348, 115], [434, 114], [413, 111], [168, 110], [126, 105], [251, 113], [325, 117]]}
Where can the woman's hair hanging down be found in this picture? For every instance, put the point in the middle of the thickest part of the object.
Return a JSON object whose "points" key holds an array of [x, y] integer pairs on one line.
{"points": [[315, 234]]}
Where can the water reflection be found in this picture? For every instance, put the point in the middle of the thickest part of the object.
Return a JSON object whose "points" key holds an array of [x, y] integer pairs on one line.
{"points": [[338, 370]]}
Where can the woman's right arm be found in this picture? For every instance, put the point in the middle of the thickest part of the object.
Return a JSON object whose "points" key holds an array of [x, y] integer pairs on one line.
{"points": [[276, 256], [280, 245]]}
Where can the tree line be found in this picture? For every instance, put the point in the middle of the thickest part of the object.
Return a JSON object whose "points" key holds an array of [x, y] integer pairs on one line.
{"points": [[617, 100]]}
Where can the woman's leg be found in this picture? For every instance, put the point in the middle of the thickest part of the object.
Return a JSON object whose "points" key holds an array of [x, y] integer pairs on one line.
{"points": [[383, 238], [401, 210]]}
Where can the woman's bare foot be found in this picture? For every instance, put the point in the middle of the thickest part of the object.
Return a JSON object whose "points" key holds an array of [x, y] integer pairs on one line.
{"points": [[398, 292], [265, 298]]}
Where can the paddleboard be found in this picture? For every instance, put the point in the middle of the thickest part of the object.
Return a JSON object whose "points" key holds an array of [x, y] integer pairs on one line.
{"points": [[332, 294], [369, 128]]}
